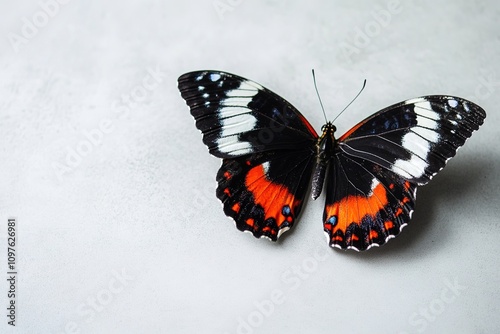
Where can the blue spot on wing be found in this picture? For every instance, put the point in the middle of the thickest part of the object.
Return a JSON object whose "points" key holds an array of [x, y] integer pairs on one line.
{"points": [[332, 220]]}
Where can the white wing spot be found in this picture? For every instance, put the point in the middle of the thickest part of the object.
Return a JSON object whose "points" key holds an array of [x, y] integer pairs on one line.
{"points": [[236, 118], [283, 230], [230, 112], [374, 184], [231, 127], [427, 113], [200, 88], [415, 167], [453, 103], [426, 117], [426, 105], [265, 167], [246, 92], [428, 134], [416, 144], [236, 101], [205, 95], [214, 77], [231, 145], [237, 124], [237, 98], [426, 122]]}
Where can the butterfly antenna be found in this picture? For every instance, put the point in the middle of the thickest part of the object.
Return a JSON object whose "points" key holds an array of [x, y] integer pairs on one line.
{"points": [[319, 97], [364, 84]]}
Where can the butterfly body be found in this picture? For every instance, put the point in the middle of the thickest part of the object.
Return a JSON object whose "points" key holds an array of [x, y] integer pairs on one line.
{"points": [[325, 151], [272, 156]]}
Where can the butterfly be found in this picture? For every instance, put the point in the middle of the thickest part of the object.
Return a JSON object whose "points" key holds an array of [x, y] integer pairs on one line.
{"points": [[271, 156]]}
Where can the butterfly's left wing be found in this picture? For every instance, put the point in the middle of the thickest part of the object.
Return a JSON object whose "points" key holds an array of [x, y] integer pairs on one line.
{"points": [[381, 161], [267, 147]]}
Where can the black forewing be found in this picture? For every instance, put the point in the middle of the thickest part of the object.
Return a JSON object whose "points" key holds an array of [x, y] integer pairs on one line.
{"points": [[239, 117], [414, 138]]}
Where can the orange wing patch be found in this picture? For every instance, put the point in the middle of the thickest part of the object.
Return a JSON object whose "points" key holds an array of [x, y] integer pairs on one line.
{"points": [[373, 234], [353, 208], [250, 222], [236, 207], [278, 203], [348, 133], [388, 225], [309, 126]]}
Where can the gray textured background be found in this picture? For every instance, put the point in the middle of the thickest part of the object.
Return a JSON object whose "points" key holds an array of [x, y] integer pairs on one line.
{"points": [[119, 227]]}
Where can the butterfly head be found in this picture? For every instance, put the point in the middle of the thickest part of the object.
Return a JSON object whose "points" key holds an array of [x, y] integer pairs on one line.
{"points": [[328, 128]]}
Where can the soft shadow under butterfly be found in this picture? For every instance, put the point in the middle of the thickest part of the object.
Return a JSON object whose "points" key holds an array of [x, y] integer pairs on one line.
{"points": [[271, 152]]}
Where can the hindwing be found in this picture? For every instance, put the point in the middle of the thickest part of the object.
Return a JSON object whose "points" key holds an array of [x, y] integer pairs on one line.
{"points": [[264, 193]]}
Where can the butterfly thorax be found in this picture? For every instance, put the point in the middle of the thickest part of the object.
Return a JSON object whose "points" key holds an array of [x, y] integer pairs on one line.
{"points": [[326, 143], [325, 150]]}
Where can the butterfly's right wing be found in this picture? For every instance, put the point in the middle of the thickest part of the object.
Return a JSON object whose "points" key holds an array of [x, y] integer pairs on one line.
{"points": [[381, 161], [366, 205], [414, 138]]}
